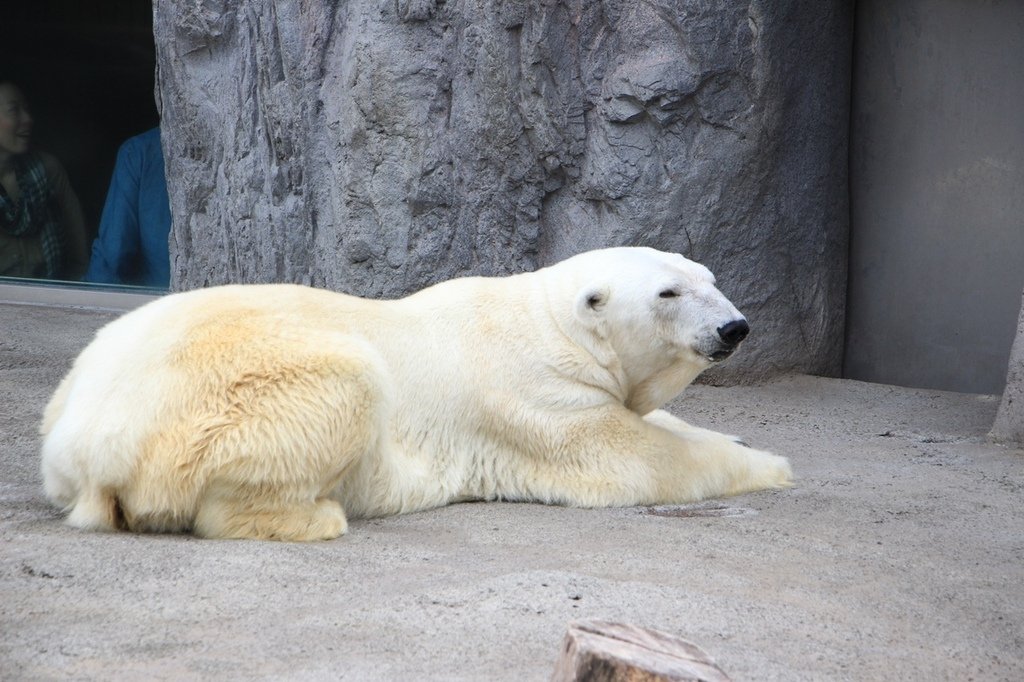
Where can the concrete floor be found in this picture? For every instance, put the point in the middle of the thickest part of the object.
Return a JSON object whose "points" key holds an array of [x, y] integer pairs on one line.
{"points": [[898, 555]]}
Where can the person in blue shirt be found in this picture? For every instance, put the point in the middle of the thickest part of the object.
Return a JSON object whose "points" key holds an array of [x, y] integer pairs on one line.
{"points": [[131, 247]]}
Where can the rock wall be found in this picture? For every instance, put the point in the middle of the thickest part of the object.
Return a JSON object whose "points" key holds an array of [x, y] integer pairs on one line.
{"points": [[378, 146], [1009, 424]]}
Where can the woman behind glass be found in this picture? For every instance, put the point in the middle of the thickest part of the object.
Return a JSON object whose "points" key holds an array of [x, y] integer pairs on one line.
{"points": [[42, 231]]}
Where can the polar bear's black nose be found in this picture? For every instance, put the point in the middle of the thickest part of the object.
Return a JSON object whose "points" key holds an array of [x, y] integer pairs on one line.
{"points": [[734, 332]]}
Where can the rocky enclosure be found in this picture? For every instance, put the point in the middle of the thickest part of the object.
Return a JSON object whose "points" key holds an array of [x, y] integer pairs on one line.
{"points": [[378, 146]]}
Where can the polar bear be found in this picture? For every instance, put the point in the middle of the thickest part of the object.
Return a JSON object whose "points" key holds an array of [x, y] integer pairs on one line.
{"points": [[279, 411]]}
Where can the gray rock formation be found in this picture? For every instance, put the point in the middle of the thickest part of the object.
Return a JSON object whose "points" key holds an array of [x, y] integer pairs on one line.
{"points": [[377, 147], [1009, 424]]}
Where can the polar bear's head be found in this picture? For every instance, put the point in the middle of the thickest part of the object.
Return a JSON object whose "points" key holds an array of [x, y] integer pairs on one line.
{"points": [[660, 316]]}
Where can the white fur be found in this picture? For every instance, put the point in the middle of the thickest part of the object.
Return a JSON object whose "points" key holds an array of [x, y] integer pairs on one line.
{"points": [[272, 411]]}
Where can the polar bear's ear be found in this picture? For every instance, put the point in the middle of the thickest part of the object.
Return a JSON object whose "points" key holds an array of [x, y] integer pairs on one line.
{"points": [[591, 300]]}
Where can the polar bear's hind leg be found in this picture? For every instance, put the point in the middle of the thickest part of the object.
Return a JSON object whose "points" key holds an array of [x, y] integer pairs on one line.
{"points": [[248, 513], [287, 434]]}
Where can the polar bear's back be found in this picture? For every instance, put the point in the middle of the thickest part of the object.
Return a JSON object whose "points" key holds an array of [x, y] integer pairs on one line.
{"points": [[146, 372]]}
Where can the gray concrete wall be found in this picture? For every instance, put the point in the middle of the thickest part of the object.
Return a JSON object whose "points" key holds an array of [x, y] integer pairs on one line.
{"points": [[937, 172]]}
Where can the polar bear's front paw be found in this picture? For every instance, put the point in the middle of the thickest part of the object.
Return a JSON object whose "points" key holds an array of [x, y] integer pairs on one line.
{"points": [[764, 471]]}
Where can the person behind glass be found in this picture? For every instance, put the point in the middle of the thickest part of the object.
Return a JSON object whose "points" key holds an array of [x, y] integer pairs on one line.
{"points": [[131, 247], [42, 231]]}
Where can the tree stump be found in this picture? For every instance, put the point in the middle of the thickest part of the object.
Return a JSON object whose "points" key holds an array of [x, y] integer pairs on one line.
{"points": [[601, 651]]}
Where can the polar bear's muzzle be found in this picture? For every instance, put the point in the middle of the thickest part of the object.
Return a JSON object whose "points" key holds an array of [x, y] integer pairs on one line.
{"points": [[730, 335]]}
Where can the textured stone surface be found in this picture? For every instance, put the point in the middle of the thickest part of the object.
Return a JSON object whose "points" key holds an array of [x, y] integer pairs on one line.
{"points": [[1009, 423], [897, 556], [376, 147]]}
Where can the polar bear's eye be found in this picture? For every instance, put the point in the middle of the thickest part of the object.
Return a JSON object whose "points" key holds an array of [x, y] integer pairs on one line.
{"points": [[669, 293]]}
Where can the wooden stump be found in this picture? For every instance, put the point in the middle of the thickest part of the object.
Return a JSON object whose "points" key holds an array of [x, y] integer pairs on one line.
{"points": [[601, 651]]}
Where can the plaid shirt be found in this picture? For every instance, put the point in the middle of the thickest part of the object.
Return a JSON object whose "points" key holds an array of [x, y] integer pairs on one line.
{"points": [[33, 215]]}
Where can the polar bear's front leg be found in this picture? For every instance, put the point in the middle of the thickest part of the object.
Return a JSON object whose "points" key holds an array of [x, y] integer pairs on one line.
{"points": [[717, 465], [672, 423], [621, 459]]}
